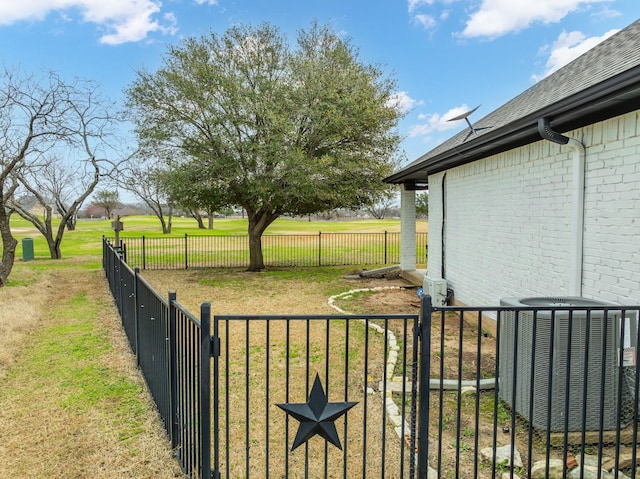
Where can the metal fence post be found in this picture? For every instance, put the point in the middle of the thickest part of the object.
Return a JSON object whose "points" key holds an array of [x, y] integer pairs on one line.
{"points": [[144, 256], [215, 340], [186, 252], [173, 371], [118, 263], [385, 246], [425, 378], [319, 248], [136, 313], [205, 390]]}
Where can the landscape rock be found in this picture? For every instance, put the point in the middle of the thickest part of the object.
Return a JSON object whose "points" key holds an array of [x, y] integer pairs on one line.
{"points": [[592, 461], [539, 469], [624, 462], [588, 472], [503, 455], [467, 390]]}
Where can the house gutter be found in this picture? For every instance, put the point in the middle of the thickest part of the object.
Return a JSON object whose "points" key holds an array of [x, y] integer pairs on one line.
{"points": [[615, 96], [577, 199]]}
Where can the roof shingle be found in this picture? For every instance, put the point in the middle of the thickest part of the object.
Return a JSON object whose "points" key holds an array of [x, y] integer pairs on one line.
{"points": [[612, 57]]}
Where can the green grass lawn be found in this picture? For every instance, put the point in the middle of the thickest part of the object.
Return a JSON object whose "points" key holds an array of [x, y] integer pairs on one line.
{"points": [[87, 237]]}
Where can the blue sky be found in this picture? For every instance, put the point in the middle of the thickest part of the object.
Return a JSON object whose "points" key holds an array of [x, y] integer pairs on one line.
{"points": [[446, 55]]}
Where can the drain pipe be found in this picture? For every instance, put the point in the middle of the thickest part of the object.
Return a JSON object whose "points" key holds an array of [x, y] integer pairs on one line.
{"points": [[577, 223]]}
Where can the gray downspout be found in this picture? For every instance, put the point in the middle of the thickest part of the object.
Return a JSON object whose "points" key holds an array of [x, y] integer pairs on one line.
{"points": [[577, 197]]}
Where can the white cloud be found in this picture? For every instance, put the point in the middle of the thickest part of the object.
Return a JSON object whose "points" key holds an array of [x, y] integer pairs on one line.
{"points": [[414, 4], [499, 17], [402, 102], [436, 122], [567, 48], [123, 20], [427, 21]]}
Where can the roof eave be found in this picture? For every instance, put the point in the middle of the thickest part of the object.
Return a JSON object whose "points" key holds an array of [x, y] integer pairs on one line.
{"points": [[615, 96]]}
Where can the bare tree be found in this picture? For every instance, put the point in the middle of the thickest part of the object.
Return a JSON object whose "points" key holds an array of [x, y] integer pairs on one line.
{"points": [[379, 209], [107, 199], [145, 181], [60, 189], [40, 118]]}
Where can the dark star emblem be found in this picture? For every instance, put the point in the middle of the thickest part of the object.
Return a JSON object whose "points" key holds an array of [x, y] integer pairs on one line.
{"points": [[317, 416]]}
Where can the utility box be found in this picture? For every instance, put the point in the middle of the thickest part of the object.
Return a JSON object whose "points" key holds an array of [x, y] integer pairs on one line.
{"points": [[27, 249], [437, 289]]}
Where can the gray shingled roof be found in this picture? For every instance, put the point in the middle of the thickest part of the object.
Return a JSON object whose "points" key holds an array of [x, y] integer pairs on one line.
{"points": [[601, 83]]}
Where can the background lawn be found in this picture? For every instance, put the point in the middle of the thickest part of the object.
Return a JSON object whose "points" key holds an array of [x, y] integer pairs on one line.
{"points": [[87, 238]]}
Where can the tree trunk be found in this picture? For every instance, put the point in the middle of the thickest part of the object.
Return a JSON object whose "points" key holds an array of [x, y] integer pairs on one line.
{"points": [[165, 229], [210, 218], [198, 217], [54, 248], [258, 223], [9, 244], [256, 260], [71, 223]]}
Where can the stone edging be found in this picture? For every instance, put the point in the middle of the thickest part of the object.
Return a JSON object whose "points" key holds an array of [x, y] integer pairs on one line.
{"points": [[393, 413]]}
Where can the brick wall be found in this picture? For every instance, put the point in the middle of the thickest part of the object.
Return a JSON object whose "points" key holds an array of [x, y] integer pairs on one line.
{"points": [[508, 219], [408, 230], [612, 210]]}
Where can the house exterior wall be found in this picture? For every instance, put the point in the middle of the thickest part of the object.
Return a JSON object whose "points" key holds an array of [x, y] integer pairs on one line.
{"points": [[612, 210], [508, 219]]}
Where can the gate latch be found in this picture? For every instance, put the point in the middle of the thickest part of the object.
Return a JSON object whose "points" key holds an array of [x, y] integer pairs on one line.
{"points": [[215, 346]]}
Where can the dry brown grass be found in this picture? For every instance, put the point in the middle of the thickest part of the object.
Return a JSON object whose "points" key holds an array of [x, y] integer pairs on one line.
{"points": [[19, 313], [50, 426]]}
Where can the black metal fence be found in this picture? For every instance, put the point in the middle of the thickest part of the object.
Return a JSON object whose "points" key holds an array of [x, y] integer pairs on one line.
{"points": [[272, 365], [537, 391], [547, 391], [322, 249], [173, 350]]}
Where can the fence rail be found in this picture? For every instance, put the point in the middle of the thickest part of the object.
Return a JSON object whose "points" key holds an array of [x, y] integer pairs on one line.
{"points": [[322, 249], [173, 350]]}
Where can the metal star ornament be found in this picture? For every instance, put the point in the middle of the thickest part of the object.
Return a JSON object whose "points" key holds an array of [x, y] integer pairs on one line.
{"points": [[317, 416]]}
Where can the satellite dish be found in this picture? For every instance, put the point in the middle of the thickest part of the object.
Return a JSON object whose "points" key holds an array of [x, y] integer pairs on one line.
{"points": [[465, 116]]}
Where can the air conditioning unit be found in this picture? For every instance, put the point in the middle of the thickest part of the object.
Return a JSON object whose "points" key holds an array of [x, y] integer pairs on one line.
{"points": [[437, 289], [538, 377]]}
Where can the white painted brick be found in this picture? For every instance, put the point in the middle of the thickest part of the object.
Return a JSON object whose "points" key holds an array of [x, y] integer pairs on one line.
{"points": [[509, 219]]}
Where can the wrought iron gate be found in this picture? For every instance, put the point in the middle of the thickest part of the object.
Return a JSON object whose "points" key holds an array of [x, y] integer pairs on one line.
{"points": [[315, 396]]}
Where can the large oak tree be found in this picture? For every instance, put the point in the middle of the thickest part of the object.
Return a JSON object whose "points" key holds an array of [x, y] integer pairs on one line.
{"points": [[274, 129]]}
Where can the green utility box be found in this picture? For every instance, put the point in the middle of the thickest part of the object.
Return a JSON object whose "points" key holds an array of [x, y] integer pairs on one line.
{"points": [[27, 249]]}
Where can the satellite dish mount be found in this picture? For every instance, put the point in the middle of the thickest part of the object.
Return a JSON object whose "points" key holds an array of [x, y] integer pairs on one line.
{"points": [[465, 117]]}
